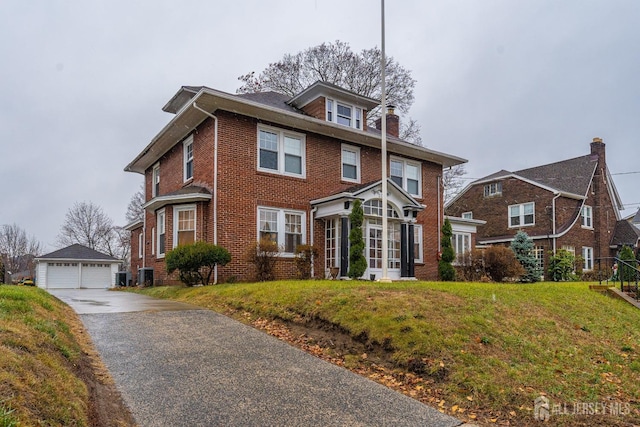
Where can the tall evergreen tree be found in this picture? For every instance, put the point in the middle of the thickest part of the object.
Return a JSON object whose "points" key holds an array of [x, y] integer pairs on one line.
{"points": [[357, 261], [445, 269], [522, 246]]}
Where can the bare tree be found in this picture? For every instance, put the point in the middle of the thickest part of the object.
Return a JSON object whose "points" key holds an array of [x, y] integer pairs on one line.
{"points": [[17, 250], [453, 181], [135, 211], [88, 225], [337, 64]]}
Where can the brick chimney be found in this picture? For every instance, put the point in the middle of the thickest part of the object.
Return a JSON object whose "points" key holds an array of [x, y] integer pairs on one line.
{"points": [[393, 122], [598, 149]]}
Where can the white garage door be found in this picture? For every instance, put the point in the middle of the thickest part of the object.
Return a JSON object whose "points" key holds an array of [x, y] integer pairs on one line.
{"points": [[62, 275], [96, 275]]}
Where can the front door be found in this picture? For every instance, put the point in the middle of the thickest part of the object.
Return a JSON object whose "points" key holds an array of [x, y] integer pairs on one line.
{"points": [[374, 249]]}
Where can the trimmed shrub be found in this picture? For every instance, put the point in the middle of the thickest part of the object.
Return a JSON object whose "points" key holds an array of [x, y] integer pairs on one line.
{"points": [[500, 263], [561, 265], [628, 274], [304, 256], [263, 255], [196, 262], [445, 269], [357, 261]]}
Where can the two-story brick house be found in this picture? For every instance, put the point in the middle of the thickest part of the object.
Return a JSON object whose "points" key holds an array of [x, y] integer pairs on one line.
{"points": [[232, 169], [571, 204]]}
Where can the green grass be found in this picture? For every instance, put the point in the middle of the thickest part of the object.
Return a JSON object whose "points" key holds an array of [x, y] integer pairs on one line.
{"points": [[492, 347], [38, 352]]}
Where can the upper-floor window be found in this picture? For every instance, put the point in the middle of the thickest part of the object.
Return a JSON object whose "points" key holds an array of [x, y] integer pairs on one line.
{"points": [[587, 216], [155, 180], [373, 207], [521, 215], [188, 158], [467, 215], [493, 189], [281, 151], [184, 225], [406, 174], [350, 163], [284, 227], [344, 114]]}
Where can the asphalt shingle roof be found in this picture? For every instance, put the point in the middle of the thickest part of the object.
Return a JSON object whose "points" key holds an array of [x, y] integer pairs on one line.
{"points": [[272, 99], [625, 233], [78, 252], [569, 176]]}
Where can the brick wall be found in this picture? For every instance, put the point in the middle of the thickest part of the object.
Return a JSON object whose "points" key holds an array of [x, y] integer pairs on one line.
{"points": [[242, 188]]}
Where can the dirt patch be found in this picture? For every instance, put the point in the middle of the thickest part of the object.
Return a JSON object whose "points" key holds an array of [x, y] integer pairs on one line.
{"points": [[106, 407]]}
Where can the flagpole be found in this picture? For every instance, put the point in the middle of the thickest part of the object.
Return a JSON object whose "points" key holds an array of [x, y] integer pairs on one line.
{"points": [[383, 107]]}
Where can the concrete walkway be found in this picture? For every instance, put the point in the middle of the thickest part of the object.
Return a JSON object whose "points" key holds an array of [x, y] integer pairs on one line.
{"points": [[189, 367]]}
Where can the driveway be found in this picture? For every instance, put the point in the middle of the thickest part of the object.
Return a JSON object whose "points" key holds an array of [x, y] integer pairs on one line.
{"points": [[179, 365]]}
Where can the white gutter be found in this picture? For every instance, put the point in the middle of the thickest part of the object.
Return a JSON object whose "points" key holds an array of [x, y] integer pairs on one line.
{"points": [[215, 182]]}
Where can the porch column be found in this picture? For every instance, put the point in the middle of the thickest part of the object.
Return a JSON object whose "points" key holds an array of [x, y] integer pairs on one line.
{"points": [[411, 250], [344, 246], [404, 251]]}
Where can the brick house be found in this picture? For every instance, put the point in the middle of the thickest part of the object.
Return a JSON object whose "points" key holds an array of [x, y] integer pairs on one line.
{"points": [[571, 204], [232, 169]]}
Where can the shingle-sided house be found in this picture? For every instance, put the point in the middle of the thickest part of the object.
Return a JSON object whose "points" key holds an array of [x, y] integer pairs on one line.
{"points": [[232, 169], [571, 204]]}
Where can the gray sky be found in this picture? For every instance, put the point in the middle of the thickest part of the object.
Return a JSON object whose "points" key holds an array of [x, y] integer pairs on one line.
{"points": [[505, 84]]}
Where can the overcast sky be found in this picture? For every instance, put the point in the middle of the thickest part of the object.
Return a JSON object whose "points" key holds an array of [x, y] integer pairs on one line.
{"points": [[505, 84]]}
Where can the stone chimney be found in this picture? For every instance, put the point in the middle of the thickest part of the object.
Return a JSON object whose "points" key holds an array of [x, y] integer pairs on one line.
{"points": [[393, 122], [598, 149]]}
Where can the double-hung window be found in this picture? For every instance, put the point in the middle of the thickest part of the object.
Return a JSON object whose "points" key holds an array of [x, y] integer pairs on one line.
{"points": [[184, 225], [587, 216], [407, 175], [188, 158], [587, 255], [522, 215], [344, 114], [155, 180], [161, 227], [281, 151], [282, 226], [417, 243], [493, 189], [350, 163], [461, 243]]}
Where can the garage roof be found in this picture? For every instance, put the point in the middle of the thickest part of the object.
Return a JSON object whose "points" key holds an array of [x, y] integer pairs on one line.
{"points": [[77, 252]]}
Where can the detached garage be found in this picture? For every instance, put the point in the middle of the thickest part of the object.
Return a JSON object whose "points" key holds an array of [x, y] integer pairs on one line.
{"points": [[76, 266]]}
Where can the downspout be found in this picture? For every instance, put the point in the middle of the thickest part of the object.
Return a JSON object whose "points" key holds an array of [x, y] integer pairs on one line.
{"points": [[553, 220], [313, 211], [439, 212], [215, 182]]}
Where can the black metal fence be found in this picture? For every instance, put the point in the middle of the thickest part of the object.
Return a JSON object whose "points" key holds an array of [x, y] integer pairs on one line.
{"points": [[624, 271]]}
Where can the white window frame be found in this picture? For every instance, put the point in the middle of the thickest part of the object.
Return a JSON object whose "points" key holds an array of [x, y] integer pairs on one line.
{"points": [[176, 210], [521, 215], [153, 241], [161, 227], [281, 133], [587, 217], [493, 189], [155, 180], [405, 163], [356, 116], [188, 143], [140, 247], [467, 215], [356, 151], [461, 243], [417, 240], [587, 255], [281, 226]]}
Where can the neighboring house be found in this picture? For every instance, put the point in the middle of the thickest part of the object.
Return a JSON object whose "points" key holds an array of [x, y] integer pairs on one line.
{"points": [[76, 266], [571, 204], [464, 234], [233, 169], [627, 233]]}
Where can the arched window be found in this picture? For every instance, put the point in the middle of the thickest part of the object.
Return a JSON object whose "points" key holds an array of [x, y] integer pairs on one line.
{"points": [[373, 207]]}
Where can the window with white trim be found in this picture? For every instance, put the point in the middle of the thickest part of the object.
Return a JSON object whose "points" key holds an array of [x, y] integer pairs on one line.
{"points": [[461, 243], [153, 241], [417, 243], [344, 114], [184, 225], [188, 158], [350, 163], [140, 247], [587, 216], [570, 249], [493, 189], [522, 215], [283, 226], [407, 175], [587, 256], [161, 227], [155, 180], [467, 215], [281, 151], [332, 243], [538, 252]]}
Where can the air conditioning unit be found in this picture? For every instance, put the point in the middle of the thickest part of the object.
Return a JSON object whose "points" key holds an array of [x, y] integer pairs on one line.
{"points": [[145, 276]]}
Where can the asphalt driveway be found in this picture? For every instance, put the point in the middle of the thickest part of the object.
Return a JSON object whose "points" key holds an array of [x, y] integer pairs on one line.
{"points": [[178, 365]]}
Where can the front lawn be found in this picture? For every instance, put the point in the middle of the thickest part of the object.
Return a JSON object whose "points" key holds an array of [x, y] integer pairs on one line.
{"points": [[481, 352]]}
